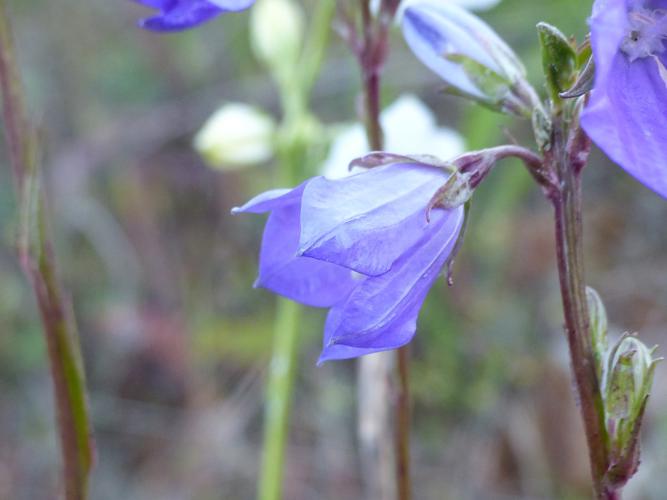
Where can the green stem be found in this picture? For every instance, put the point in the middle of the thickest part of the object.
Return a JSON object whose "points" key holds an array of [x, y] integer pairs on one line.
{"points": [[291, 157], [278, 397], [38, 263]]}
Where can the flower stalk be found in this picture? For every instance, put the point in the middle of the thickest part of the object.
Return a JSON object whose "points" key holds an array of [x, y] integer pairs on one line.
{"points": [[371, 49], [36, 256]]}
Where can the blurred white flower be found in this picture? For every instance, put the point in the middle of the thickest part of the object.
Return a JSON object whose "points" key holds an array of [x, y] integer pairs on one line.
{"points": [[466, 4], [409, 128], [276, 33], [235, 136]]}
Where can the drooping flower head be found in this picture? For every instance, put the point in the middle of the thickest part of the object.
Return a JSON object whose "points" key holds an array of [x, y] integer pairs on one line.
{"points": [[362, 246], [627, 112], [467, 54], [178, 15]]}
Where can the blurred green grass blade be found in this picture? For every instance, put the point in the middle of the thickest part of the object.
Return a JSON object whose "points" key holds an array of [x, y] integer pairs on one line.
{"points": [[37, 260]]}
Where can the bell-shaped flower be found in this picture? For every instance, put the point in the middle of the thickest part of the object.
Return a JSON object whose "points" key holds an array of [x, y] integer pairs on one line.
{"points": [[363, 246], [468, 55], [178, 15], [626, 115]]}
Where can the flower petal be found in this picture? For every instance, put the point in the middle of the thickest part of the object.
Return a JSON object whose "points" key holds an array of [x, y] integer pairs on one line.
{"points": [[157, 4], [381, 313], [609, 25], [401, 334], [626, 119], [435, 29], [367, 221], [269, 200], [281, 270], [233, 5], [182, 15], [424, 35]]}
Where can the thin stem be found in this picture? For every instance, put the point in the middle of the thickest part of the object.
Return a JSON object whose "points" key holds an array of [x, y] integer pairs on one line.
{"points": [[38, 263], [371, 59], [278, 397], [567, 203], [403, 483], [372, 109]]}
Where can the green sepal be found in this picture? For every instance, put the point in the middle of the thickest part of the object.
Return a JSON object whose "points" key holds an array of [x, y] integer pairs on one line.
{"points": [[598, 326], [559, 60]]}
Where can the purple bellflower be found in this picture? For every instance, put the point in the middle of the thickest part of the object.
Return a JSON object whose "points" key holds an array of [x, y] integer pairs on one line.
{"points": [[627, 112], [367, 246], [179, 15], [467, 54]]}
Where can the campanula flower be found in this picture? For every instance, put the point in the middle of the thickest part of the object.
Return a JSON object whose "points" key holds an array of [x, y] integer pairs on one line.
{"points": [[626, 114], [178, 15], [362, 246], [468, 55]]}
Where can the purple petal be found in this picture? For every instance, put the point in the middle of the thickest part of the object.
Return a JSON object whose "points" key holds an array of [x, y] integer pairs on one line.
{"points": [[177, 15], [609, 25], [281, 270], [381, 313], [401, 333], [434, 29], [182, 15], [233, 5], [626, 119], [157, 4], [269, 200], [430, 42], [367, 221]]}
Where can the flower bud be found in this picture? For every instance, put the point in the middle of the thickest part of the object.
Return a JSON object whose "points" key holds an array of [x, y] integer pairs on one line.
{"points": [[627, 384], [276, 32], [472, 59], [631, 366], [235, 136]]}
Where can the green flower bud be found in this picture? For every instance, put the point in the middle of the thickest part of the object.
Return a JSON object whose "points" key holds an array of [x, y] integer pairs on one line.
{"points": [[626, 388], [631, 366]]}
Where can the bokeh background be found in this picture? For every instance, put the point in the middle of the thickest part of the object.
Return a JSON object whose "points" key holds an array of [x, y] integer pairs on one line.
{"points": [[177, 342]]}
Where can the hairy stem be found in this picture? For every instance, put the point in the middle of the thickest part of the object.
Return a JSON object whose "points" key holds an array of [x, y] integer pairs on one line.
{"points": [[567, 201], [38, 263]]}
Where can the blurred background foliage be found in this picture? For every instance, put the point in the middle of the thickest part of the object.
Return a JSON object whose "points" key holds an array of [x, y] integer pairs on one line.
{"points": [[177, 342]]}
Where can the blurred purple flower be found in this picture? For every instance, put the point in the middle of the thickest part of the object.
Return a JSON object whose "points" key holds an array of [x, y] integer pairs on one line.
{"points": [[178, 15], [626, 115], [363, 247]]}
